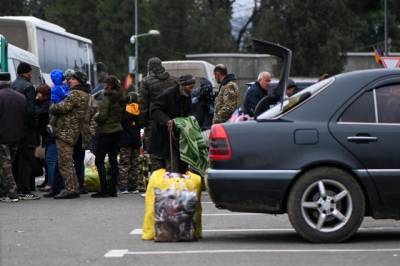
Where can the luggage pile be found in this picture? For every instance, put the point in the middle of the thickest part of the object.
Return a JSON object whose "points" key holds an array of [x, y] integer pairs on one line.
{"points": [[173, 208]]}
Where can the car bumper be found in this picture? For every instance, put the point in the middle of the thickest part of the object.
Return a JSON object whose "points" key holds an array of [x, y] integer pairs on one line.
{"points": [[250, 190]]}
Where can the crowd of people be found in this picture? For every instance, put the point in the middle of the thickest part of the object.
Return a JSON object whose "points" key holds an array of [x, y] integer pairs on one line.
{"points": [[66, 120]]}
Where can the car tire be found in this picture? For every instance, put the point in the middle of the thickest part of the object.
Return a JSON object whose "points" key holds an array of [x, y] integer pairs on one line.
{"points": [[326, 205]]}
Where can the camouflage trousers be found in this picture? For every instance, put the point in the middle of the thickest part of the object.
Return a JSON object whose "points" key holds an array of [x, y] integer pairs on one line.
{"points": [[8, 186], [128, 168], [66, 166]]}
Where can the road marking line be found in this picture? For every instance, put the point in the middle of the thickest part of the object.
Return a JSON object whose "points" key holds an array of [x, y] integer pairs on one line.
{"points": [[120, 253], [139, 231], [233, 214], [116, 253]]}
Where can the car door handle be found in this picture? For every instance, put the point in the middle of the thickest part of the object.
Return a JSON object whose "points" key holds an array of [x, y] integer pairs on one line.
{"points": [[362, 139]]}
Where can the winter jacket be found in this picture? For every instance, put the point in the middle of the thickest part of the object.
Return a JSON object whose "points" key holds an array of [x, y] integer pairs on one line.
{"points": [[227, 100], [152, 86], [130, 136], [42, 111], [31, 134], [254, 94], [71, 115], [167, 106], [12, 115], [59, 91], [110, 113]]}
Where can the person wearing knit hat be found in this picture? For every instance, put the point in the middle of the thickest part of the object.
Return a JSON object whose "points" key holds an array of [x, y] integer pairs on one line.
{"points": [[71, 121], [153, 85], [23, 68], [31, 135]]}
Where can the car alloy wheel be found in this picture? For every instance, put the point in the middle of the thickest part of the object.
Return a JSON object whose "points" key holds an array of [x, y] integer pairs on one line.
{"points": [[326, 204]]}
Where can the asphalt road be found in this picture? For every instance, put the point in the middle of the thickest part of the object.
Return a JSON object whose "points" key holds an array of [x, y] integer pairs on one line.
{"points": [[106, 231]]}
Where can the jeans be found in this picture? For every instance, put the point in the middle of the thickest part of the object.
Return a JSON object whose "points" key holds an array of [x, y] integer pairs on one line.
{"points": [[108, 144], [54, 177]]}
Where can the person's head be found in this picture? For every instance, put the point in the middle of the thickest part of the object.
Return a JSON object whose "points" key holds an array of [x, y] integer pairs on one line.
{"points": [[112, 87], [25, 70], [5, 80], [220, 72], [291, 88], [324, 76], [111, 83], [154, 65], [129, 81], [264, 78], [43, 92], [186, 84], [57, 76], [68, 74], [77, 78]]}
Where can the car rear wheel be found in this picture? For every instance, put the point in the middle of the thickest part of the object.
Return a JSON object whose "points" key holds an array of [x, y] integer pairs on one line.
{"points": [[326, 205]]}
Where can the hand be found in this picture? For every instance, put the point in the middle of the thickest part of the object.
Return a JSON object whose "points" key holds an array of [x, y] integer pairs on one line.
{"points": [[170, 124]]}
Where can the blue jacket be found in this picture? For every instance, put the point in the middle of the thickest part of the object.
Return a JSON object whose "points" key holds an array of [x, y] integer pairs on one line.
{"points": [[254, 94], [59, 90]]}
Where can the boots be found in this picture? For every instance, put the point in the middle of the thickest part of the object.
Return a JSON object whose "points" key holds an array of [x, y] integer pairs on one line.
{"points": [[113, 187]]}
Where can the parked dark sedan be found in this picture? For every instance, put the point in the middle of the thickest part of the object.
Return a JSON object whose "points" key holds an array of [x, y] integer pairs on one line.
{"points": [[328, 156]]}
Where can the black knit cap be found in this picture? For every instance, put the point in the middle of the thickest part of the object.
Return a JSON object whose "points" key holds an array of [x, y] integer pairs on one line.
{"points": [[186, 80], [23, 68]]}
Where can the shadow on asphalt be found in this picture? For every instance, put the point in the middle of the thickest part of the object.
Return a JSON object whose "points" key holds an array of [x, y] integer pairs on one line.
{"points": [[253, 238], [294, 238], [386, 236]]}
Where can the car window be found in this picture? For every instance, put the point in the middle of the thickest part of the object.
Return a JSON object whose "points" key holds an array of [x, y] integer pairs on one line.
{"points": [[361, 110], [296, 99], [388, 104]]}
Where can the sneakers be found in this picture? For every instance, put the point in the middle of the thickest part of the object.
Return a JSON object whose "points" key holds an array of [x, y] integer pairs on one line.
{"points": [[28, 196], [124, 191], [9, 199], [46, 188], [143, 195]]}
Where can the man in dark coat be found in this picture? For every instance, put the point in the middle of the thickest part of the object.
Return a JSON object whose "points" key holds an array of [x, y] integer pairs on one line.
{"points": [[174, 102], [12, 118], [256, 92], [30, 138], [153, 85]]}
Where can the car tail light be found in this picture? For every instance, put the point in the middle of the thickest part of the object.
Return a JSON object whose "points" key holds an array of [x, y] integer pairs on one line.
{"points": [[220, 148]]}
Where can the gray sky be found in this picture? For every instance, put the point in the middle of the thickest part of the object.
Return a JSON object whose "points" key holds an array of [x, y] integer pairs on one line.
{"points": [[241, 11]]}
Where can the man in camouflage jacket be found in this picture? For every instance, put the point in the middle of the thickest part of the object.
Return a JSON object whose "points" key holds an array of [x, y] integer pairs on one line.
{"points": [[71, 117], [156, 81], [228, 98]]}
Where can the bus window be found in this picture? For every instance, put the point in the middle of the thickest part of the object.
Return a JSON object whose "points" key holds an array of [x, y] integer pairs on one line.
{"points": [[16, 33]]}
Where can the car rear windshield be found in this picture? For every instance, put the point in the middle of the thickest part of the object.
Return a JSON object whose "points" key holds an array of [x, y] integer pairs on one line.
{"points": [[296, 99]]}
